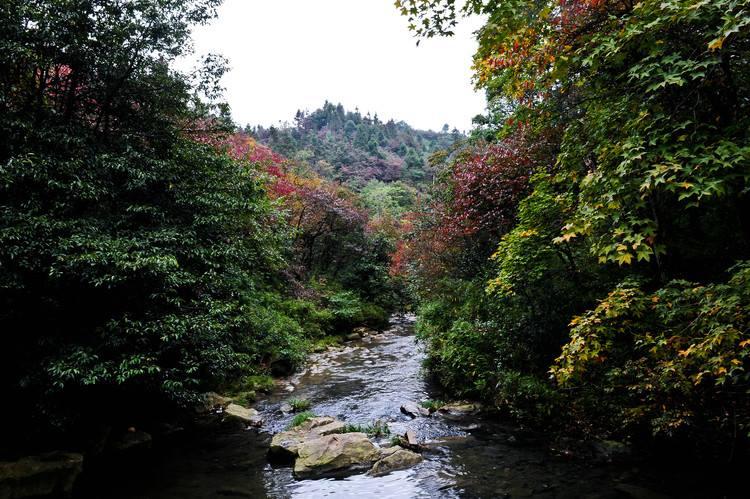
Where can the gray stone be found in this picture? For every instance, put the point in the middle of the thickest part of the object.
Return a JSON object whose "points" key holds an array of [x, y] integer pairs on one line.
{"points": [[414, 410], [40, 476]]}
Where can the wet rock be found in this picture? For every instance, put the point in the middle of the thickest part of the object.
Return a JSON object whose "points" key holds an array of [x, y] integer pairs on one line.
{"points": [[398, 460], [352, 337], [132, 440], [248, 416], [40, 476], [286, 408], [411, 437], [414, 410], [409, 441], [335, 454]]}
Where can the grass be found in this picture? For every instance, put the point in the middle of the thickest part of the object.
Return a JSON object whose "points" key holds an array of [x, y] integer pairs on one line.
{"points": [[299, 405], [432, 405], [323, 343], [377, 429], [301, 418]]}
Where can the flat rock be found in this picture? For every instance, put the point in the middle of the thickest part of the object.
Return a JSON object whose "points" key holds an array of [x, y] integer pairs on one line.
{"points": [[242, 414], [330, 428], [39, 476], [460, 408], [335, 454]]}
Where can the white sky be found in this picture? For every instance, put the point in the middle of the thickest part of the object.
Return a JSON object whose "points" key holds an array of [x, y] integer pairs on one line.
{"points": [[286, 55]]}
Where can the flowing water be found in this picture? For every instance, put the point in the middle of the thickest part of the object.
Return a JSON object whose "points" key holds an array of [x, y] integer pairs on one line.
{"points": [[365, 381]]}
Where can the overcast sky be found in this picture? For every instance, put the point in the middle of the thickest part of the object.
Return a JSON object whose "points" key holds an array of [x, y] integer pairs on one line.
{"points": [[294, 54]]}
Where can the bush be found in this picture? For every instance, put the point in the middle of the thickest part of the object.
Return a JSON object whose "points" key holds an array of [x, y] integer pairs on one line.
{"points": [[527, 398]]}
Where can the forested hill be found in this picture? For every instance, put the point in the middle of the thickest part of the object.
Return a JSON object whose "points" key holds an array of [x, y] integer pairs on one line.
{"points": [[347, 146]]}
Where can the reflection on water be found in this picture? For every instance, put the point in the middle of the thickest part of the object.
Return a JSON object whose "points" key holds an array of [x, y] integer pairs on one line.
{"points": [[363, 382]]}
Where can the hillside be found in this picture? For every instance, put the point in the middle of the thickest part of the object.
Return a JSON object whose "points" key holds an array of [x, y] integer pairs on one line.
{"points": [[349, 147]]}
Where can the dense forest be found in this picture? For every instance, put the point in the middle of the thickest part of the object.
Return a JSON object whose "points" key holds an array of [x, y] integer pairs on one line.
{"points": [[355, 149], [583, 262], [579, 261], [151, 251]]}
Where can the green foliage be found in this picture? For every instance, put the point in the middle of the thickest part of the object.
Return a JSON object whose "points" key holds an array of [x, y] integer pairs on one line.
{"points": [[349, 147], [639, 193], [349, 310], [299, 405], [388, 199], [675, 355], [377, 429], [432, 405], [257, 383], [527, 398], [300, 418]]}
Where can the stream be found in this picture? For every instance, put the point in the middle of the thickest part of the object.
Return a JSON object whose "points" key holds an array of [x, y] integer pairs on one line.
{"points": [[366, 380]]}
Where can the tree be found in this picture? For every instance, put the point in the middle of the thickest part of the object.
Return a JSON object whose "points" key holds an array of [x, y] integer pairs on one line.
{"points": [[131, 250]]}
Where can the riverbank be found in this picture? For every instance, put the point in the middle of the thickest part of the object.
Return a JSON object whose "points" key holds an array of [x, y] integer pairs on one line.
{"points": [[471, 455]]}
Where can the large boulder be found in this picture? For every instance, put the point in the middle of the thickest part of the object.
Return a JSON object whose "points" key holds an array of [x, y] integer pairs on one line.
{"points": [[285, 445], [335, 454], [398, 460], [40, 476]]}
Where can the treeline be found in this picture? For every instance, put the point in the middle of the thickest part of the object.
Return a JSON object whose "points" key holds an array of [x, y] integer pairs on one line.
{"points": [[585, 261], [148, 252], [354, 149]]}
